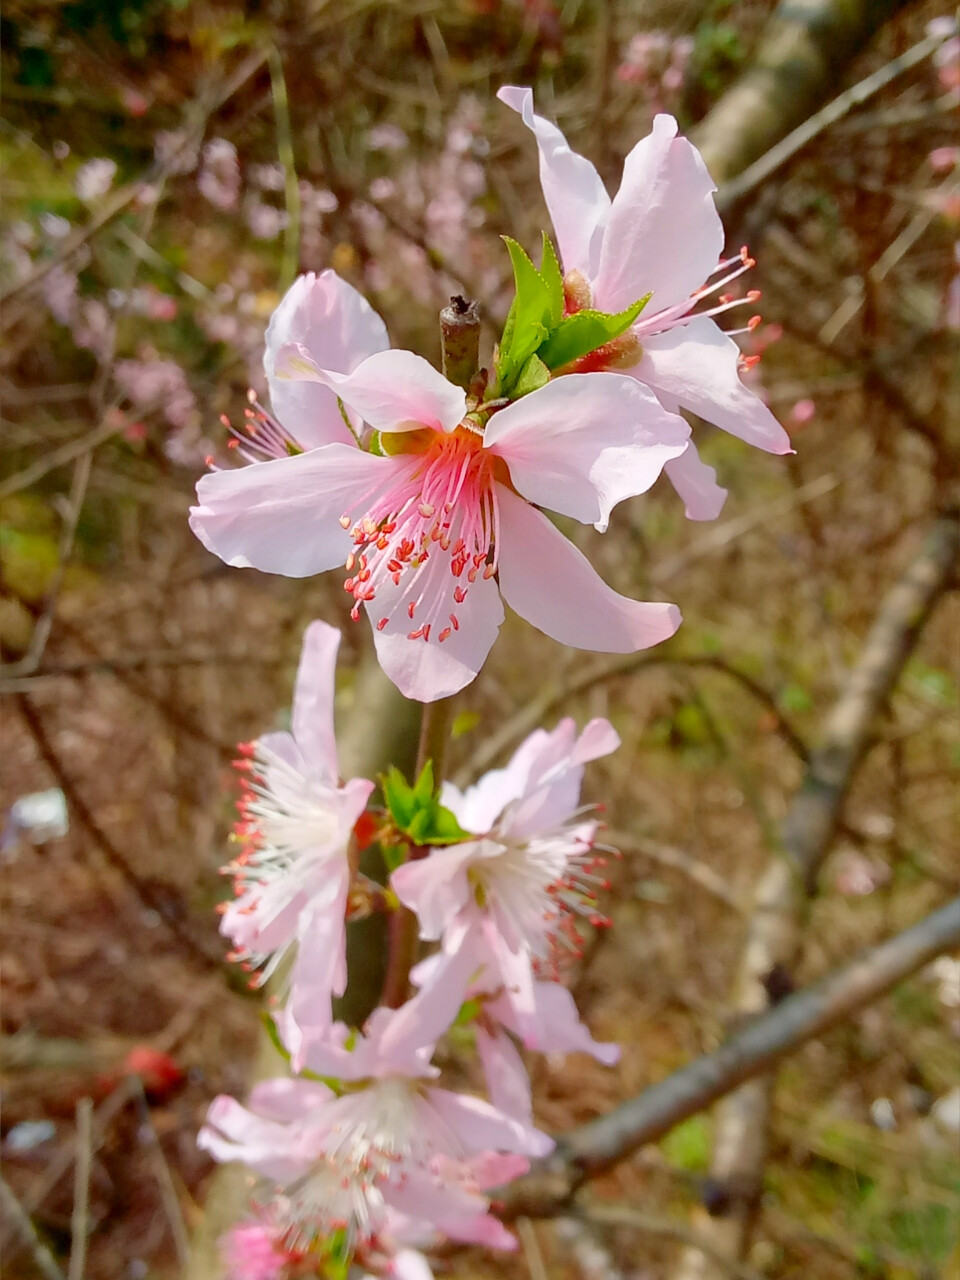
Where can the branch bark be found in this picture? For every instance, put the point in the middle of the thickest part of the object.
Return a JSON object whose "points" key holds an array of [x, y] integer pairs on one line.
{"points": [[590, 1150]]}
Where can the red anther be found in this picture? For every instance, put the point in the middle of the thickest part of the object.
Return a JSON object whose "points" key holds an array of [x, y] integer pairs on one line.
{"points": [[754, 295], [355, 613], [426, 631], [472, 575], [410, 608], [744, 253], [415, 635], [251, 395], [382, 623], [444, 633], [247, 748], [488, 572], [754, 323], [382, 543], [363, 575], [349, 584], [344, 522], [459, 594], [224, 421], [350, 562], [209, 460], [749, 362], [455, 620], [725, 298]]}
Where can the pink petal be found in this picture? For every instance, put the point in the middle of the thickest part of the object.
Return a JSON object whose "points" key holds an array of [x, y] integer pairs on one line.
{"points": [[547, 581], [584, 442], [392, 390], [320, 969], [410, 1265], [419, 1024], [478, 1126], [599, 738], [283, 516], [507, 1081], [313, 699], [280, 1098], [456, 1211], [664, 233], [574, 192], [478, 808], [339, 328], [428, 668], [435, 887], [696, 365], [696, 483], [560, 1029]]}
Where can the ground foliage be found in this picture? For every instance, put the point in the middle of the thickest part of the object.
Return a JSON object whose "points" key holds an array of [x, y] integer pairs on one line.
{"points": [[148, 325]]}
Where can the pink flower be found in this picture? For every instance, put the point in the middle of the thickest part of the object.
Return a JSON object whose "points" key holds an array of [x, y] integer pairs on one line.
{"points": [[442, 522], [94, 179], [293, 876], [506, 904], [394, 1144], [250, 1251], [661, 234]]}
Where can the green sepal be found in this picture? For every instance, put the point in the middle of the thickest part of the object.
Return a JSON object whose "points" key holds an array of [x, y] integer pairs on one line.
{"points": [[533, 376], [394, 855], [585, 331], [376, 447], [468, 1013]]}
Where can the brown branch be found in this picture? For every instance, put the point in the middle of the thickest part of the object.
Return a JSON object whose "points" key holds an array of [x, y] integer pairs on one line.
{"points": [[774, 934], [595, 1147]]}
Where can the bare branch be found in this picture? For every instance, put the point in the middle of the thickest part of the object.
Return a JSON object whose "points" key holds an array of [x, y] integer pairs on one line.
{"points": [[15, 1213]]}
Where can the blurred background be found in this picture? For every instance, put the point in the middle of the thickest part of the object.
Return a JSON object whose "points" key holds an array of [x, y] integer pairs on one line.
{"points": [[169, 167]]}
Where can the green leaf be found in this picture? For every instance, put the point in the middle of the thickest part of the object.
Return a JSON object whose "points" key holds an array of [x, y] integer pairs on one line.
{"points": [[446, 829], [463, 722], [532, 377], [399, 797], [584, 331], [273, 1035], [423, 788], [468, 1013], [394, 855], [552, 277], [528, 321]]}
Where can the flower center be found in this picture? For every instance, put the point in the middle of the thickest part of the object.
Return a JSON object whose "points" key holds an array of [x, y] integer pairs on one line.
{"points": [[440, 509], [537, 889]]}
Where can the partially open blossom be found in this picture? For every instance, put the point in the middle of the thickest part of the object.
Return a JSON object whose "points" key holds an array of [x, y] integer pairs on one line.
{"points": [[252, 1251], [440, 523], [661, 234], [507, 904], [293, 874]]}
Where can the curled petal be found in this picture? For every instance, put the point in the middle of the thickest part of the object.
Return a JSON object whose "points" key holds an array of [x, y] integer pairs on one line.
{"points": [[696, 365], [574, 192], [507, 1081], [547, 581], [337, 327], [696, 483], [584, 442], [664, 233], [479, 1126]]}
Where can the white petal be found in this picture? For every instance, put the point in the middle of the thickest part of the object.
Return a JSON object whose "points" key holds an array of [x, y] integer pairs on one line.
{"points": [[431, 668], [283, 516], [339, 328], [574, 192], [664, 233], [696, 483], [393, 391], [584, 442], [696, 365], [547, 581]]}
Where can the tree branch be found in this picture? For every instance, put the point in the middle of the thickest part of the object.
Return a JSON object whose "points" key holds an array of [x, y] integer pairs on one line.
{"points": [[547, 1190]]}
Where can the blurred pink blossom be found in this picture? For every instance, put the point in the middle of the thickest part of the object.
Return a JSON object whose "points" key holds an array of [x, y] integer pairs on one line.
{"points": [[268, 177], [93, 328], [158, 384], [59, 288], [52, 225], [387, 137], [264, 220], [219, 177], [94, 178], [803, 411], [251, 1251], [175, 151], [942, 159]]}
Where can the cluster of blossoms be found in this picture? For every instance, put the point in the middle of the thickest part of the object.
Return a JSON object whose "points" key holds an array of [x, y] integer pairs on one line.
{"points": [[430, 496]]}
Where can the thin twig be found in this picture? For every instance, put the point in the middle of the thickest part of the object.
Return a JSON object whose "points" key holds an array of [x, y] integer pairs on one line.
{"points": [[57, 458], [17, 1215], [161, 1171], [80, 1219], [285, 154], [159, 658], [677, 860], [595, 1147]]}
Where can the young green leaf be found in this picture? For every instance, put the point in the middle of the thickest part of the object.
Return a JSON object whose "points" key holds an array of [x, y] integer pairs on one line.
{"points": [[528, 321], [552, 277], [532, 377], [584, 331], [399, 797]]}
